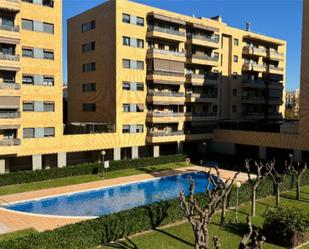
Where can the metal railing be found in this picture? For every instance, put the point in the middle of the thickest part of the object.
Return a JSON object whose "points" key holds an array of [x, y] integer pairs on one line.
{"points": [[252, 65], [272, 67], [14, 86], [165, 30], [166, 114], [204, 57], [275, 53], [251, 49], [164, 133], [10, 142], [9, 28], [9, 57], [201, 95], [202, 114], [214, 38], [4, 114], [165, 94], [203, 76], [165, 52], [166, 73]]}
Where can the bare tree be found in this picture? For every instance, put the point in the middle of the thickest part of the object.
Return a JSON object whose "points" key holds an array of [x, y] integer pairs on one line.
{"points": [[298, 171], [200, 217], [255, 182], [217, 242], [253, 239], [277, 179]]}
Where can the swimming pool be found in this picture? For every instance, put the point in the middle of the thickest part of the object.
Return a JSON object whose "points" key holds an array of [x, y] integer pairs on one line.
{"points": [[113, 199]]}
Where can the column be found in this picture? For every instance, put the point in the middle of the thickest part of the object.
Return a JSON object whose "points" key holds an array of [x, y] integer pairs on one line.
{"points": [[2, 166], [37, 162], [117, 154], [156, 151], [262, 153], [134, 152], [298, 156], [180, 147], [61, 159]]}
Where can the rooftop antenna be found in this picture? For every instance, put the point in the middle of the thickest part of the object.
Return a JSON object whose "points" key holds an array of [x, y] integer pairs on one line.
{"points": [[248, 26]]}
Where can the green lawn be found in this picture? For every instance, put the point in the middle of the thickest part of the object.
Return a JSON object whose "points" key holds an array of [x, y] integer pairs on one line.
{"points": [[181, 236], [19, 234], [11, 189]]}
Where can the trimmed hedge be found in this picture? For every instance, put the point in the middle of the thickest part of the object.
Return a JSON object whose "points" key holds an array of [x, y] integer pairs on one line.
{"points": [[91, 233], [84, 169]]}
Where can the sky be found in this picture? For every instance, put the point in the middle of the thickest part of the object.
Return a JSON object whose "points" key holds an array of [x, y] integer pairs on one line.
{"points": [[277, 18]]}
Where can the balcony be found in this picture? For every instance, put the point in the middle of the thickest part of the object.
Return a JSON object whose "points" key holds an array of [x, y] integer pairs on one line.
{"points": [[253, 100], [175, 78], [10, 5], [165, 117], [253, 115], [199, 134], [203, 60], [275, 85], [10, 86], [256, 84], [275, 70], [9, 114], [275, 100], [275, 116], [202, 97], [201, 79], [165, 136], [166, 98], [11, 33], [10, 142], [9, 62], [249, 50], [275, 55], [165, 33], [155, 53], [253, 66], [203, 40], [201, 116]]}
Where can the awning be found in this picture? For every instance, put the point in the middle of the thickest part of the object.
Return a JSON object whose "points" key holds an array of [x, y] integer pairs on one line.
{"points": [[10, 127], [166, 18], [141, 106], [165, 82], [203, 27], [9, 40], [168, 66], [7, 102]]}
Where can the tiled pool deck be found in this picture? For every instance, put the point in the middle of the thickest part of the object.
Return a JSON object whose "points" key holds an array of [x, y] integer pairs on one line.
{"points": [[13, 221]]}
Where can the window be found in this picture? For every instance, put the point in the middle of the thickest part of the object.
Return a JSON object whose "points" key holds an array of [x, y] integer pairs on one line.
{"points": [[49, 106], [161, 46], [140, 87], [126, 86], [139, 108], [89, 47], [28, 106], [139, 128], [140, 21], [235, 58], [125, 18], [49, 132], [236, 42], [48, 3], [28, 133], [126, 108], [125, 63], [8, 21], [234, 92], [48, 80], [48, 54], [89, 67], [89, 107], [28, 79], [88, 26], [140, 65], [126, 41], [27, 24], [140, 43], [89, 87], [234, 76], [126, 129], [48, 28], [234, 108], [27, 52]]}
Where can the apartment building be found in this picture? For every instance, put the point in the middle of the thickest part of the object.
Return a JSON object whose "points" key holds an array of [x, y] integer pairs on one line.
{"points": [[30, 74], [166, 78]]}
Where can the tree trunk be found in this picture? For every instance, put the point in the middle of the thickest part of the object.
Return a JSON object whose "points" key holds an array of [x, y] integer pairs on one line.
{"points": [[201, 238], [298, 189], [277, 195], [253, 202], [223, 212]]}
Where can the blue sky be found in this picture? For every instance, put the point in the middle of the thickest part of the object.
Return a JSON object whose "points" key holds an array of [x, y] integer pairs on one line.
{"points": [[277, 18]]}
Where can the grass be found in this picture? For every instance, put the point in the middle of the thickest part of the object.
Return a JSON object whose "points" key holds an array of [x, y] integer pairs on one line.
{"points": [[19, 188], [15, 235], [181, 237]]}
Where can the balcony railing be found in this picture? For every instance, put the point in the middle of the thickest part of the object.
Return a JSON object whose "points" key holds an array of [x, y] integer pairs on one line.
{"points": [[165, 30], [251, 49], [205, 57], [164, 133], [199, 131], [253, 65], [202, 114], [9, 28], [165, 94], [14, 86], [165, 52], [276, 53], [9, 57], [166, 114], [277, 85], [10, 142], [201, 95], [214, 39], [166, 73], [4, 114], [203, 76], [253, 114], [272, 67]]}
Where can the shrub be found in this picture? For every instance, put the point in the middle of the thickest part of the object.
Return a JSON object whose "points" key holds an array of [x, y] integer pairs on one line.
{"points": [[83, 169], [285, 226]]}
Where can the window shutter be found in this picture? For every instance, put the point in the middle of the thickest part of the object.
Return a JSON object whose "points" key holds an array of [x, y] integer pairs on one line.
{"points": [[38, 80], [133, 86], [133, 19], [38, 53], [133, 64], [38, 106], [132, 107], [133, 42], [39, 132], [40, 2], [132, 128], [38, 26]]}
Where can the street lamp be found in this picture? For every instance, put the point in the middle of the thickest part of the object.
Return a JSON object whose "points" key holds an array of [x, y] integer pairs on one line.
{"points": [[103, 153], [238, 185]]}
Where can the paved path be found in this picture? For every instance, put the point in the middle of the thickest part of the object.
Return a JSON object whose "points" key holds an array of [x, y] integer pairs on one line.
{"points": [[14, 221]]}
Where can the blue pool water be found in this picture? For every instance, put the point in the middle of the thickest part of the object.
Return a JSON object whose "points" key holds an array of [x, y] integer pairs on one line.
{"points": [[114, 199]]}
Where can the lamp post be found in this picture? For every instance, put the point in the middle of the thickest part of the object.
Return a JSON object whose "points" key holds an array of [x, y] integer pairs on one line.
{"points": [[238, 185], [204, 151], [103, 153]]}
